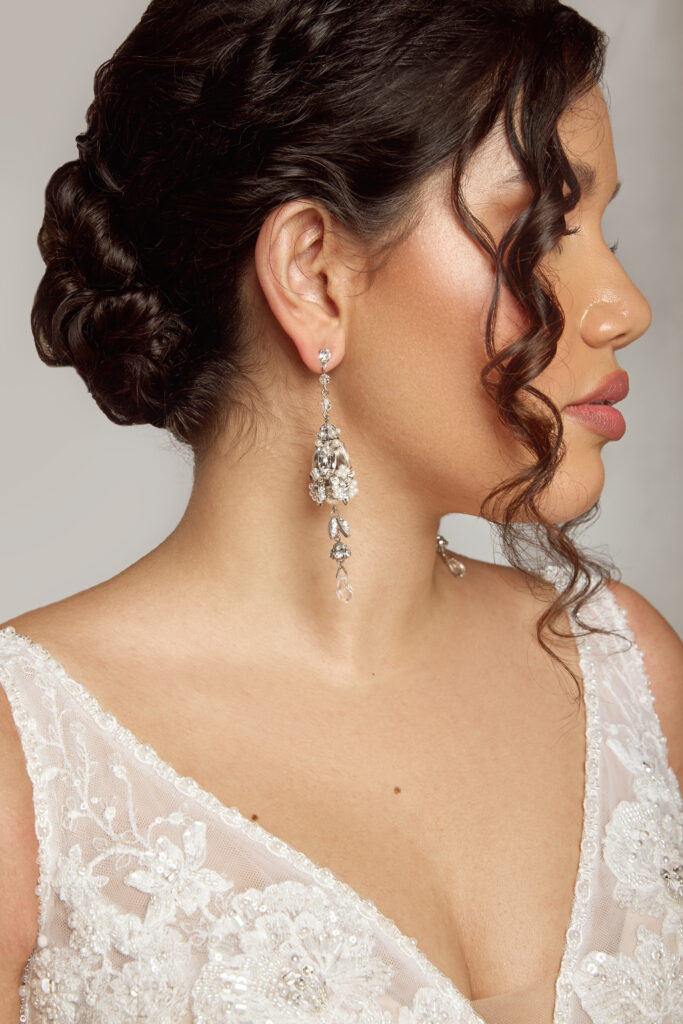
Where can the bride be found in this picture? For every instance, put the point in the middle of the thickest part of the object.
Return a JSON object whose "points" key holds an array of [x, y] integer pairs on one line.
{"points": [[302, 761]]}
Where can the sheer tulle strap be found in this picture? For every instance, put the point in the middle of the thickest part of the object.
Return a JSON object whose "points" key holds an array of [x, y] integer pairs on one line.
{"points": [[600, 610], [19, 678]]}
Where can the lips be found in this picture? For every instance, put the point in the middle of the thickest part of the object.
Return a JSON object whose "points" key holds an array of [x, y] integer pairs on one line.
{"points": [[611, 389], [595, 410]]}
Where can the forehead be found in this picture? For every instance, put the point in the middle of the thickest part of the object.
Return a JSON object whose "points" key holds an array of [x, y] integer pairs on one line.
{"points": [[586, 135]]}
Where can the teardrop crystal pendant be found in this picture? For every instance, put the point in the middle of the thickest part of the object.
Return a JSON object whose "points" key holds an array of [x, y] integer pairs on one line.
{"points": [[332, 480], [344, 588], [453, 563]]}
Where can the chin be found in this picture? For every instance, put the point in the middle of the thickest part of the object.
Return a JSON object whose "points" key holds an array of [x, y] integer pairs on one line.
{"points": [[575, 489]]}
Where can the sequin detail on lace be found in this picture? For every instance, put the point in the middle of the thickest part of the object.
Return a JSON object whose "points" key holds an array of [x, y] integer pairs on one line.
{"points": [[644, 838], [296, 955], [638, 989]]}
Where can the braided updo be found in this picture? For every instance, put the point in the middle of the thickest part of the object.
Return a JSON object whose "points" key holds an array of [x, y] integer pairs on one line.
{"points": [[211, 114]]}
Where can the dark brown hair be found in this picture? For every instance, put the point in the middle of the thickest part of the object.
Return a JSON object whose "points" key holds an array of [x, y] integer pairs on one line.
{"points": [[209, 115]]}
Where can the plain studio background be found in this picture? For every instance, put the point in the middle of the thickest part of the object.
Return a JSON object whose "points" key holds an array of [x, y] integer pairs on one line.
{"points": [[82, 498]]}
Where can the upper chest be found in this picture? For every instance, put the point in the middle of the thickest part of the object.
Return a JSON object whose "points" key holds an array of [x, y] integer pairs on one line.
{"points": [[451, 799]]}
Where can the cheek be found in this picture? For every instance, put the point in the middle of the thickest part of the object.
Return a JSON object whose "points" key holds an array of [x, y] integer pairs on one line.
{"points": [[415, 394], [419, 332], [434, 297]]}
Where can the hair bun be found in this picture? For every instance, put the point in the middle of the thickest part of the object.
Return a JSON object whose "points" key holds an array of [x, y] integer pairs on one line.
{"points": [[93, 309]]}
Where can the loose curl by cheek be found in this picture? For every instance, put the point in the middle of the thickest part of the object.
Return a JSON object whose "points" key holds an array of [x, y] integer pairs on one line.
{"points": [[526, 536], [209, 116]]}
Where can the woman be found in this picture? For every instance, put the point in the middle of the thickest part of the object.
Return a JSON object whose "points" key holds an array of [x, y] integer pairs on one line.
{"points": [[292, 767]]}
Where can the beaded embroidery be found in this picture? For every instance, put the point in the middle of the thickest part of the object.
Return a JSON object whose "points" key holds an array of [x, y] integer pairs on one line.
{"points": [[638, 989]]}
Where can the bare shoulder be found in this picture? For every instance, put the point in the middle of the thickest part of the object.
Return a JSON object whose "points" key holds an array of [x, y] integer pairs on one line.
{"points": [[61, 617], [85, 616], [662, 651], [82, 622]]}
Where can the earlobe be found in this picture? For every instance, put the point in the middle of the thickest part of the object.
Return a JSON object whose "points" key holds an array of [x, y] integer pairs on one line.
{"points": [[291, 259]]}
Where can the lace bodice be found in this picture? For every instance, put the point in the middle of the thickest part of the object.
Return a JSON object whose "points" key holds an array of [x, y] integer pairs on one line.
{"points": [[158, 904]]}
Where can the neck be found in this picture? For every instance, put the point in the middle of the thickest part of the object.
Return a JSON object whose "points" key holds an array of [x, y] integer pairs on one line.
{"points": [[251, 557]]}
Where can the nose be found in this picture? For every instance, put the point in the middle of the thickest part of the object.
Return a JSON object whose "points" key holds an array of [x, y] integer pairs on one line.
{"points": [[617, 315]]}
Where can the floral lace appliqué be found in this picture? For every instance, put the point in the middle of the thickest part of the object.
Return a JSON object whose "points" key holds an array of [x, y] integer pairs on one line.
{"points": [[641, 989], [643, 848], [289, 953], [124, 967], [643, 844], [175, 877]]}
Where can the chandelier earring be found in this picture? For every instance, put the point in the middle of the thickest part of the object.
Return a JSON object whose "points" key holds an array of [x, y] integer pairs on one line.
{"points": [[332, 480]]}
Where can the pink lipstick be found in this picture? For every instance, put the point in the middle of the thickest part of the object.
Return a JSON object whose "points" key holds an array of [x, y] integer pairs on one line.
{"points": [[595, 410]]}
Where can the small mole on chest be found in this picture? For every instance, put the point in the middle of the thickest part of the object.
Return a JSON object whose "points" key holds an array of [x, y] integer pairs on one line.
{"points": [[397, 789], [254, 817]]}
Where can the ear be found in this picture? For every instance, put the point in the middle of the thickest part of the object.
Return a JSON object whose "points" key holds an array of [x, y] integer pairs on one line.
{"points": [[299, 265]]}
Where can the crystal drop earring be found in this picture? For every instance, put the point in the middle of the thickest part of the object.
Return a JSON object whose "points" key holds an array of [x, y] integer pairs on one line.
{"points": [[332, 480], [453, 563]]}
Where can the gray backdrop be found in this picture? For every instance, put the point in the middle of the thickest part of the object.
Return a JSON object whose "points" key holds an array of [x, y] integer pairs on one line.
{"points": [[82, 498]]}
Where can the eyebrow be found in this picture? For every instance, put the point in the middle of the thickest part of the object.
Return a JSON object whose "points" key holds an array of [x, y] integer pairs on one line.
{"points": [[586, 178], [585, 175]]}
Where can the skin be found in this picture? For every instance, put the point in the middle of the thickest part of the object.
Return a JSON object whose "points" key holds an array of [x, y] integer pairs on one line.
{"points": [[246, 579]]}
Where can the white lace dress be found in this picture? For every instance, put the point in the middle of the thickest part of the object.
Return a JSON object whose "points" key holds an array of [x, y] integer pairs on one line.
{"points": [[160, 905]]}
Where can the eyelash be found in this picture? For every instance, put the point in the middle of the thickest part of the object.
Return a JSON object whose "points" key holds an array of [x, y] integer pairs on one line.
{"points": [[612, 248]]}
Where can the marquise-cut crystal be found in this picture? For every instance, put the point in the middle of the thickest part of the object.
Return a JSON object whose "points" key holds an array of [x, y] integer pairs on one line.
{"points": [[333, 527]]}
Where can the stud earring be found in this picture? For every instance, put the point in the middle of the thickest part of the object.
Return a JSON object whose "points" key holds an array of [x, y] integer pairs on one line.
{"points": [[332, 480]]}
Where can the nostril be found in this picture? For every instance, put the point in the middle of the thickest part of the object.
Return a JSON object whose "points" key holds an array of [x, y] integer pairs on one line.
{"points": [[611, 321]]}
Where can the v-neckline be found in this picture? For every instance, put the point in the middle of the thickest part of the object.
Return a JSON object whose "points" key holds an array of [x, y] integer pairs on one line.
{"points": [[326, 878]]}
